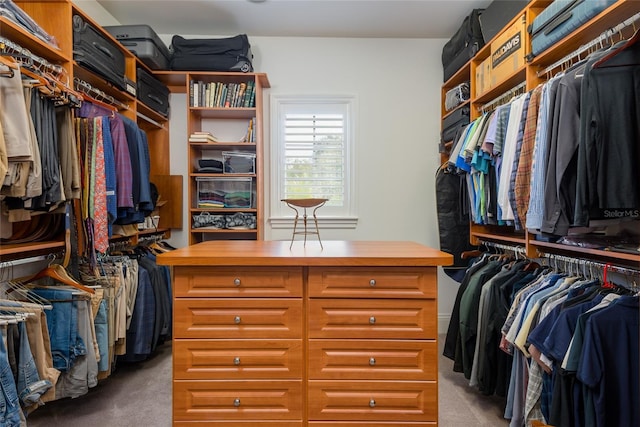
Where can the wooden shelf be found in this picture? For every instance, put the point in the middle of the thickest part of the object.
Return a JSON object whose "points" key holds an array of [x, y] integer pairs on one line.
{"points": [[616, 13]]}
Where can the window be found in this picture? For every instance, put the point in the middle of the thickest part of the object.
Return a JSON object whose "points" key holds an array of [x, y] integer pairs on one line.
{"points": [[312, 151]]}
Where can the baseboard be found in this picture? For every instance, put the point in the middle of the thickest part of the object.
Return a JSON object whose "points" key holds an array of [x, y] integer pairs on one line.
{"points": [[443, 323]]}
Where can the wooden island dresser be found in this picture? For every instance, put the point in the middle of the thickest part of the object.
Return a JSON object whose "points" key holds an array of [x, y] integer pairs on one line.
{"points": [[265, 335]]}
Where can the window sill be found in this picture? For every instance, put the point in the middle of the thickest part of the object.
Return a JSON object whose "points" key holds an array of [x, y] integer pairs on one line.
{"points": [[323, 222]]}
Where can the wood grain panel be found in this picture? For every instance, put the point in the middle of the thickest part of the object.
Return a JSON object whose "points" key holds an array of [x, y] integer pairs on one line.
{"points": [[372, 282], [373, 360], [367, 319], [238, 282], [237, 318], [237, 400], [237, 359], [373, 400]]}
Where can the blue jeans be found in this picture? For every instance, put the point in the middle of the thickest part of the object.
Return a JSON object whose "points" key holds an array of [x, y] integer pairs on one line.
{"points": [[9, 405], [102, 336], [62, 323], [29, 386]]}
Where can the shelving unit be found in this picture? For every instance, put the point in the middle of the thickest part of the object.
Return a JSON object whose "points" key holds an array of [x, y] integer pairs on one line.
{"points": [[529, 75], [229, 125], [55, 17]]}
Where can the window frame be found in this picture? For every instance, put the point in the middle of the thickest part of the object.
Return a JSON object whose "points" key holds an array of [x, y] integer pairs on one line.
{"points": [[282, 216]]}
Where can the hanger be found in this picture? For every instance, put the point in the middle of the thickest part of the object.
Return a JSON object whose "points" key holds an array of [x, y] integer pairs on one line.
{"points": [[12, 66], [59, 274], [18, 288], [600, 63]]}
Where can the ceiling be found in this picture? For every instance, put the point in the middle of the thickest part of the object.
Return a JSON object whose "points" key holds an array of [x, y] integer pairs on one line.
{"points": [[297, 18]]}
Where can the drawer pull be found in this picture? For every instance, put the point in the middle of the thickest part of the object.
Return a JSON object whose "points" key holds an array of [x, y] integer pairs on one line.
{"points": [[372, 361], [236, 360], [236, 402], [237, 320], [372, 320], [372, 403], [372, 283], [236, 282]]}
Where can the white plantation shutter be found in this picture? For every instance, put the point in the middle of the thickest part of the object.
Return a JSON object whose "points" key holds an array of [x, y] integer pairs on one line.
{"points": [[312, 147], [314, 157]]}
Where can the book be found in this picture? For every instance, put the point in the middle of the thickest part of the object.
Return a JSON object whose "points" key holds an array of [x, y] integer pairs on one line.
{"points": [[203, 137]]}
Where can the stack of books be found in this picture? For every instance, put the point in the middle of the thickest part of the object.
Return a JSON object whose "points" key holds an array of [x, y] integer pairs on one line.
{"points": [[202, 137]]}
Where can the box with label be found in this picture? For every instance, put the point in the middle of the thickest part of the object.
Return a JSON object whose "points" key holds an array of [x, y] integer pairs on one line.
{"points": [[218, 193], [483, 77], [238, 162], [508, 52]]}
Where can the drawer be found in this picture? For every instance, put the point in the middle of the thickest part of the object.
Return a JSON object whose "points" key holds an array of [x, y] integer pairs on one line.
{"points": [[373, 401], [369, 424], [283, 282], [237, 400], [375, 360], [372, 282], [237, 318], [252, 423], [371, 319], [237, 359]]}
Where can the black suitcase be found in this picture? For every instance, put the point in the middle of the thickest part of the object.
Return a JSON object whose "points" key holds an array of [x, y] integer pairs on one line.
{"points": [[228, 54], [464, 44], [95, 52], [453, 122], [152, 92], [144, 43]]}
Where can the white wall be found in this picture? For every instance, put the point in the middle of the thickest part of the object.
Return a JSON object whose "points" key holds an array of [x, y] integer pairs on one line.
{"points": [[397, 86]]}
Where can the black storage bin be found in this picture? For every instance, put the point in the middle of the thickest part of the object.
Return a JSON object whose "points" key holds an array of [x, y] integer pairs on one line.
{"points": [[144, 43], [93, 51], [152, 92], [227, 54], [497, 15], [453, 122]]}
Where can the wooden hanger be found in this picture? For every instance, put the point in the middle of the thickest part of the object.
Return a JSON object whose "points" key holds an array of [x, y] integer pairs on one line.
{"points": [[600, 63], [59, 274], [11, 66]]}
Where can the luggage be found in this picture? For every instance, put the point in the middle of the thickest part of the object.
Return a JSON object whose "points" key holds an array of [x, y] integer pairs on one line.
{"points": [[456, 120], [152, 92], [228, 54], [95, 52], [559, 19], [464, 44], [144, 43], [497, 15], [453, 219]]}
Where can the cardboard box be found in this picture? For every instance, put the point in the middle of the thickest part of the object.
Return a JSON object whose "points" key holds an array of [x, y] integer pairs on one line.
{"points": [[508, 52], [483, 77]]}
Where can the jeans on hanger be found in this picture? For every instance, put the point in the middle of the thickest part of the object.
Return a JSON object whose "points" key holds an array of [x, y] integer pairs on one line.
{"points": [[62, 323], [102, 336], [29, 386], [9, 405]]}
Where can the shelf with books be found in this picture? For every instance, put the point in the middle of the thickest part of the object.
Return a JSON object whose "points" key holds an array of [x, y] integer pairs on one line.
{"points": [[224, 136]]}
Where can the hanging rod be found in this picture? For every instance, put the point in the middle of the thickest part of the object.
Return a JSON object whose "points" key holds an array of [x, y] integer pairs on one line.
{"points": [[7, 47], [21, 261], [502, 246], [585, 47], [588, 263], [150, 120], [501, 99], [88, 89]]}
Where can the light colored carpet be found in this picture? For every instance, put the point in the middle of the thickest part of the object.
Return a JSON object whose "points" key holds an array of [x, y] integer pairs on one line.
{"points": [[139, 395]]}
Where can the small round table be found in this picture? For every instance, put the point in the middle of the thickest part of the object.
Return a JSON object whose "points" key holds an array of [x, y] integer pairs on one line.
{"points": [[304, 204]]}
